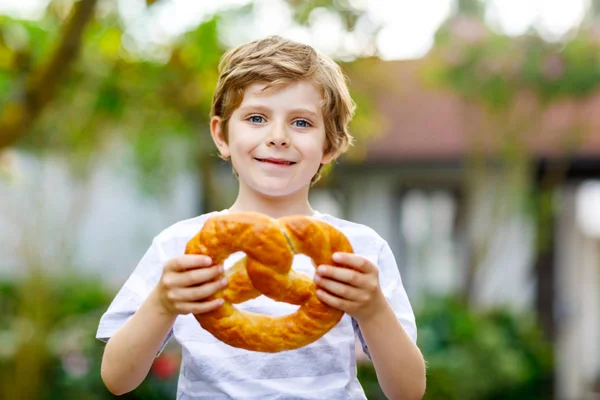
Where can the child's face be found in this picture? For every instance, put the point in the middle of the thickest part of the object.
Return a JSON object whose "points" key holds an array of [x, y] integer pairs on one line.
{"points": [[276, 139]]}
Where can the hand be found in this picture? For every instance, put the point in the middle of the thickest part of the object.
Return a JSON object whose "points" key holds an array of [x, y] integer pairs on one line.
{"points": [[352, 286], [186, 282]]}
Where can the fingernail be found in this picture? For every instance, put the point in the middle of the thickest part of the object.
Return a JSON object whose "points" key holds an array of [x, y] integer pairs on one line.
{"points": [[223, 281], [208, 260], [221, 269], [317, 278], [322, 269], [337, 257]]}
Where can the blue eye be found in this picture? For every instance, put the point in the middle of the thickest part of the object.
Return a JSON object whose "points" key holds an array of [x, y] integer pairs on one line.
{"points": [[302, 123], [256, 119]]}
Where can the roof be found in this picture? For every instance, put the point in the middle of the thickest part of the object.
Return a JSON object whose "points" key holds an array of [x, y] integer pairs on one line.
{"points": [[423, 123]]}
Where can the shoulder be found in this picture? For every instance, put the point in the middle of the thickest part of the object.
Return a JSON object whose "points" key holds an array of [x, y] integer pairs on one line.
{"points": [[361, 236], [174, 237], [183, 227]]}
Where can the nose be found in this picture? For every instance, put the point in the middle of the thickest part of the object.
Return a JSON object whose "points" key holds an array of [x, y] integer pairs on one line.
{"points": [[278, 137]]}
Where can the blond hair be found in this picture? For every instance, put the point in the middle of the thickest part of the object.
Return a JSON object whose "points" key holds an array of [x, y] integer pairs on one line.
{"points": [[277, 61]]}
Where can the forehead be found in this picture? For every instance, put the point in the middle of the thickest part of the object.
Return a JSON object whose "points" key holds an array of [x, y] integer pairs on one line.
{"points": [[306, 94]]}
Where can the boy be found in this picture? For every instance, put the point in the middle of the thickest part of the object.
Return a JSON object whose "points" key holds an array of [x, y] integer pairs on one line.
{"points": [[280, 112]]}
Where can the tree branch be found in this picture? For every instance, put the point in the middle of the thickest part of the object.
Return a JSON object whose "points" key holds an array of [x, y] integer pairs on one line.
{"points": [[40, 87]]}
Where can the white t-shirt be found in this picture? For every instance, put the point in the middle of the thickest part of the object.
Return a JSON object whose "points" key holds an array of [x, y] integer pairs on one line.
{"points": [[211, 369]]}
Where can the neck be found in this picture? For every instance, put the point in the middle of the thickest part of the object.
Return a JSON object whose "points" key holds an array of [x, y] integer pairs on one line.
{"points": [[274, 206]]}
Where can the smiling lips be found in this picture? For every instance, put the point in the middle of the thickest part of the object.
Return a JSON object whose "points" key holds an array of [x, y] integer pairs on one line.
{"points": [[275, 161]]}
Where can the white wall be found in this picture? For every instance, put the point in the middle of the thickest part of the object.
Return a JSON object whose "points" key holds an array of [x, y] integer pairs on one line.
{"points": [[437, 262], [506, 235], [101, 224], [578, 304], [370, 202]]}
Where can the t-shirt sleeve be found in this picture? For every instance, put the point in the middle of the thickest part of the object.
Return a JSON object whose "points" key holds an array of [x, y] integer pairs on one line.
{"points": [[393, 290], [133, 293]]}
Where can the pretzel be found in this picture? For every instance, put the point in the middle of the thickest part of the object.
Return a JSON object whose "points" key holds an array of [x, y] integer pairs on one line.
{"points": [[270, 245]]}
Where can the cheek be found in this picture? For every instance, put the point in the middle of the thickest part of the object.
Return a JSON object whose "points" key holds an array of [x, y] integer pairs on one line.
{"points": [[315, 148], [241, 150]]}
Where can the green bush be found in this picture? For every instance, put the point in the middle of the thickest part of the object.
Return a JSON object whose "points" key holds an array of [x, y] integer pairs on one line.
{"points": [[470, 356], [491, 355], [63, 346]]}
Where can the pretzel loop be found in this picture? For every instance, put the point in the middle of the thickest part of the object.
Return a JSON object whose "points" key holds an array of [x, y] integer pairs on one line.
{"points": [[269, 245]]}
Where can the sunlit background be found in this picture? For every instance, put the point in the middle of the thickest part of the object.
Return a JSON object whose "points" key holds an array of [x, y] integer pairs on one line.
{"points": [[477, 158], [406, 29]]}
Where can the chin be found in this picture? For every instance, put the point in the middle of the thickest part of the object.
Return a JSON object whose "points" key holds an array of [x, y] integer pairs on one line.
{"points": [[276, 190]]}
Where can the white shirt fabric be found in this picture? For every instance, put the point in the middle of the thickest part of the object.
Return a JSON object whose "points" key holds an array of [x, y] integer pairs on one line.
{"points": [[211, 369]]}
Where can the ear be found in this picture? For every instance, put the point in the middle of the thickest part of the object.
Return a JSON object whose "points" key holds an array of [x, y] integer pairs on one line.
{"points": [[216, 131], [328, 157]]}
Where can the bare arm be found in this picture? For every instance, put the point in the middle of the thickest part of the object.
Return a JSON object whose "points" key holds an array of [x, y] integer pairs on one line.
{"points": [[353, 287], [130, 352], [398, 361]]}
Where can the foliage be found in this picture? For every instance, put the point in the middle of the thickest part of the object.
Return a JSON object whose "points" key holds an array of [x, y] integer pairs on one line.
{"points": [[146, 101], [116, 95], [511, 91], [156, 99], [71, 368], [346, 9], [493, 68], [470, 355], [490, 355], [153, 97], [511, 85]]}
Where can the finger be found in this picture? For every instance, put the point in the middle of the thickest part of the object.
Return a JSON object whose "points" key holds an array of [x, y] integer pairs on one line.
{"points": [[341, 274], [354, 261], [339, 289], [196, 293], [332, 301], [200, 307], [188, 261], [202, 275], [192, 277]]}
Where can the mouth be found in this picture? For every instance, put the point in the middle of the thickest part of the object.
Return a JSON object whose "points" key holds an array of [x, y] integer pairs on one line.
{"points": [[276, 161]]}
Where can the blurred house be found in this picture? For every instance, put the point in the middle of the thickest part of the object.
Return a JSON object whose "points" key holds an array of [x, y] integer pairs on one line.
{"points": [[412, 186]]}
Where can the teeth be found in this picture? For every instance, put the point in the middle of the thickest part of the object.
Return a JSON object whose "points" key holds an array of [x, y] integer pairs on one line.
{"points": [[276, 162]]}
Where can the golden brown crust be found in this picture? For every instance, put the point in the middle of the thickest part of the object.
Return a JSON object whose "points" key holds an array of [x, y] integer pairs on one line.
{"points": [[269, 245]]}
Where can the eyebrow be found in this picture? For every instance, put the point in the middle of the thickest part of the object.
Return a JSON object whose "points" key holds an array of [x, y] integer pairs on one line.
{"points": [[257, 107]]}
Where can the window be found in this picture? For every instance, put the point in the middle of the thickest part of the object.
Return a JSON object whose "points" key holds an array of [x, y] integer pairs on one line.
{"points": [[429, 240]]}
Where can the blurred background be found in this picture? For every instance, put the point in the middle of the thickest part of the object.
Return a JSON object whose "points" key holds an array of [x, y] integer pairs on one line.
{"points": [[477, 159]]}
